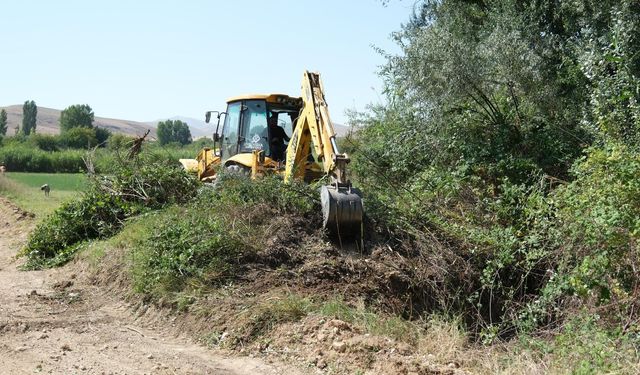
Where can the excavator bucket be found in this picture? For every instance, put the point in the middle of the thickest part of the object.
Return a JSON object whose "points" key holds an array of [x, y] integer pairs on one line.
{"points": [[342, 213]]}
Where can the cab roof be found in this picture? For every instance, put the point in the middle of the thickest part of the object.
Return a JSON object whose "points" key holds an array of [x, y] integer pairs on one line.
{"points": [[271, 98]]}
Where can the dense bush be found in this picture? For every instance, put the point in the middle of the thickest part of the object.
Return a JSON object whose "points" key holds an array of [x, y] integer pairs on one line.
{"points": [[52, 153], [79, 138], [119, 142], [205, 242], [65, 152], [25, 158], [96, 215], [595, 238], [102, 136], [476, 163], [132, 188], [191, 243], [150, 182], [45, 142]]}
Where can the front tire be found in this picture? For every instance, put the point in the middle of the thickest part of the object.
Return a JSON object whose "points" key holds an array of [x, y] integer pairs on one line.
{"points": [[238, 170]]}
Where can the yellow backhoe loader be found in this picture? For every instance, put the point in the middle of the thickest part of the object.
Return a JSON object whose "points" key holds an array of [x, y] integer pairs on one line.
{"points": [[289, 136]]}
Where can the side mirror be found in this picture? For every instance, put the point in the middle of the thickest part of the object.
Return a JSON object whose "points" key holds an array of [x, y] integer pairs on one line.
{"points": [[207, 117], [216, 137]]}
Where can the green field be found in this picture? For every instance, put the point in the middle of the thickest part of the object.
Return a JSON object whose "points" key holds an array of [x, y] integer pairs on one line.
{"points": [[24, 190], [57, 181]]}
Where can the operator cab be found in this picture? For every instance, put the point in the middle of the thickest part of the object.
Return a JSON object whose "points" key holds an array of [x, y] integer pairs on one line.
{"points": [[259, 122]]}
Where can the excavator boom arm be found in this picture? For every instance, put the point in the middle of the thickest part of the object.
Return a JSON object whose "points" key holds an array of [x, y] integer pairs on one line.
{"points": [[314, 126], [342, 209]]}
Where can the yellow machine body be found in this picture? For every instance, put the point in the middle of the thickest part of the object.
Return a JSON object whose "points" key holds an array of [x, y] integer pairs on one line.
{"points": [[252, 144]]}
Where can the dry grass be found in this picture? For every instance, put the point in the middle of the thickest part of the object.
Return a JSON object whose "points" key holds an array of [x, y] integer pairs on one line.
{"points": [[444, 340], [506, 359]]}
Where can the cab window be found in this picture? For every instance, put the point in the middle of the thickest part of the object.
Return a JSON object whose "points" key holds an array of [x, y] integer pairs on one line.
{"points": [[254, 126], [230, 131]]}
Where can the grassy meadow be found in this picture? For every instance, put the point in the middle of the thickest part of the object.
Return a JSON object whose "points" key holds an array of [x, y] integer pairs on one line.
{"points": [[23, 189]]}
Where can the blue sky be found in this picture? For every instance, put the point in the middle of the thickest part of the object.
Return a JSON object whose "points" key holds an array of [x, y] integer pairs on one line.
{"points": [[146, 60]]}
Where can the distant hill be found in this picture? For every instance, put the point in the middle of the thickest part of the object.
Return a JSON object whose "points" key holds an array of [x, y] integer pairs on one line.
{"points": [[47, 122]]}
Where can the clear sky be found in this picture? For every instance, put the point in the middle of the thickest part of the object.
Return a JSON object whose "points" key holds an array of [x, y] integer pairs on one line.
{"points": [[147, 60]]}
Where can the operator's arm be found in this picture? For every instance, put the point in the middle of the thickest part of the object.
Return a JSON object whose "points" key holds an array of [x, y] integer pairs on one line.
{"points": [[283, 134]]}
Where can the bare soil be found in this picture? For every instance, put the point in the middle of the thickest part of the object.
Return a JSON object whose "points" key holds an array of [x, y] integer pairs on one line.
{"points": [[57, 321], [248, 315]]}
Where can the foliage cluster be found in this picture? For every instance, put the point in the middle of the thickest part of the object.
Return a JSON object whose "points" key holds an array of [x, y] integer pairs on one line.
{"points": [[206, 241], [3, 123], [57, 153], [29, 116], [506, 155], [25, 158], [76, 116], [132, 188], [173, 131]]}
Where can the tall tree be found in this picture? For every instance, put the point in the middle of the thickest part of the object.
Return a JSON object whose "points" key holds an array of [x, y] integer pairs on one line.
{"points": [[3, 122], [76, 116], [29, 116], [173, 131]]}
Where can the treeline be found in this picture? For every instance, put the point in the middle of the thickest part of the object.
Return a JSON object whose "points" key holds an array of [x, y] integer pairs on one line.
{"points": [[29, 115], [508, 155], [49, 153], [29, 151]]}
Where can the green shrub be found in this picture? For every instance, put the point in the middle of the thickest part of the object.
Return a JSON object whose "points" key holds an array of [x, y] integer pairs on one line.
{"points": [[45, 142], [206, 241], [185, 244], [584, 347], [119, 142], [149, 181], [133, 188], [596, 234], [96, 215], [297, 197], [102, 135], [80, 137], [25, 158]]}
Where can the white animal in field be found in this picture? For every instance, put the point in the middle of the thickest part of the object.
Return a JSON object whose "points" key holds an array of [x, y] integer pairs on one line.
{"points": [[46, 189], [2, 169]]}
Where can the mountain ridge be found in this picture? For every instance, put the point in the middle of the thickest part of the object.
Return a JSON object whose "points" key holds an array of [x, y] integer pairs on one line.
{"points": [[48, 122]]}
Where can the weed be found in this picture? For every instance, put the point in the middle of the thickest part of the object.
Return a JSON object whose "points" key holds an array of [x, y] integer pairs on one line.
{"points": [[370, 321], [266, 315]]}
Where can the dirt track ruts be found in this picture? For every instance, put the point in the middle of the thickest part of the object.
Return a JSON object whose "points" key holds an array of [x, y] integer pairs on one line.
{"points": [[53, 322]]}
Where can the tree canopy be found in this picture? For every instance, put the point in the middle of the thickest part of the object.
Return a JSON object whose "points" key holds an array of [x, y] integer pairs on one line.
{"points": [[29, 116], [173, 131], [76, 116], [3, 122], [510, 142]]}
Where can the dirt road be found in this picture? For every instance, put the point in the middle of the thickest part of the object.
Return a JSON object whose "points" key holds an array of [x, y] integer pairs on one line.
{"points": [[52, 322]]}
